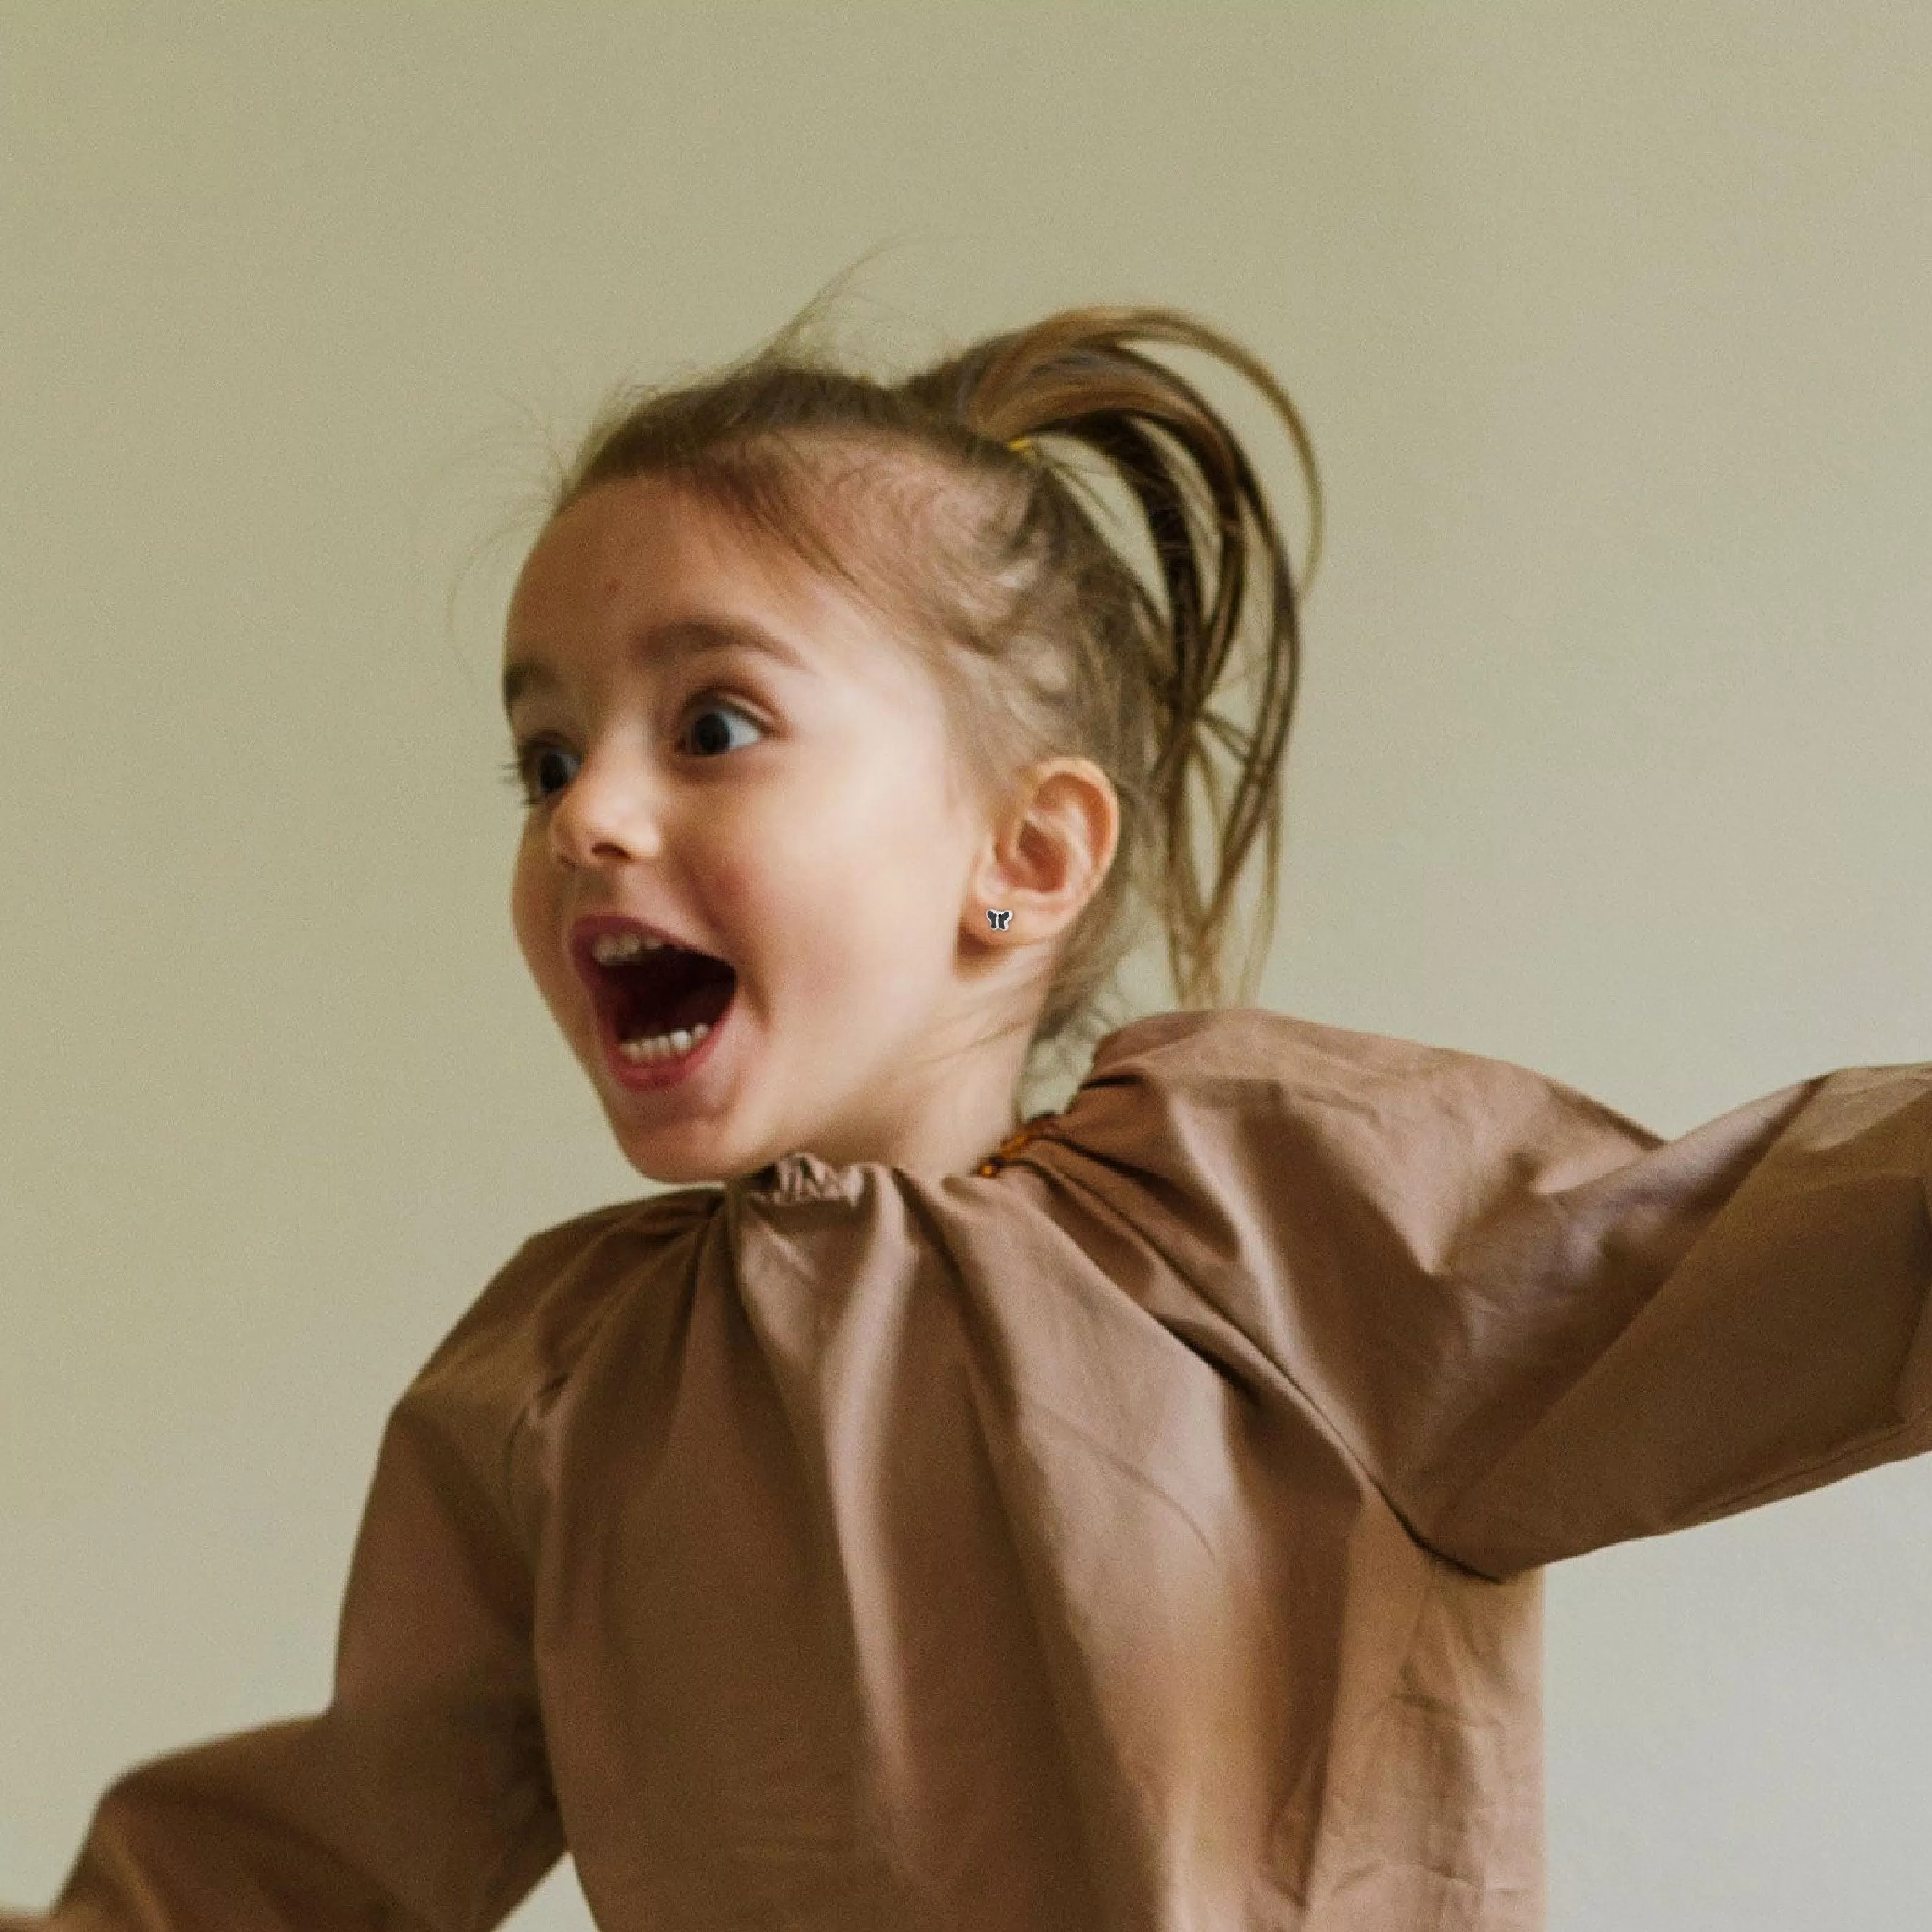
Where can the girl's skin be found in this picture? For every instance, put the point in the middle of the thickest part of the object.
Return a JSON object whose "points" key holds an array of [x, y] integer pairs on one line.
{"points": [[805, 836]]}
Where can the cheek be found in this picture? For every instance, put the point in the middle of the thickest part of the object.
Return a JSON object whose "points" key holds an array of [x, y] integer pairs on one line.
{"points": [[787, 907], [529, 914], [807, 878], [748, 899]]}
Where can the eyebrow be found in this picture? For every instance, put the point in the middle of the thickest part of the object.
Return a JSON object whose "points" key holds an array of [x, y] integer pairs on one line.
{"points": [[673, 641]]}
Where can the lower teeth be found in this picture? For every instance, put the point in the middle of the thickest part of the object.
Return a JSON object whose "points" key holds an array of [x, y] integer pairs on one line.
{"points": [[664, 1045]]}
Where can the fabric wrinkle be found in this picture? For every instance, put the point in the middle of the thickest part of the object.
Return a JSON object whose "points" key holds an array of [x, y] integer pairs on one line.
{"points": [[1149, 1531]]}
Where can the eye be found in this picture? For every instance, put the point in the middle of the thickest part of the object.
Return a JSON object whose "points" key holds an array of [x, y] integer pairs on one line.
{"points": [[520, 773], [715, 707], [533, 756]]}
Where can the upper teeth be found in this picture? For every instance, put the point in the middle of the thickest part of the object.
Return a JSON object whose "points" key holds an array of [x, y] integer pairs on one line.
{"points": [[613, 946]]}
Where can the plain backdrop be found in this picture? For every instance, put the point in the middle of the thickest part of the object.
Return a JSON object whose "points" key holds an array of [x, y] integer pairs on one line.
{"points": [[1609, 323]]}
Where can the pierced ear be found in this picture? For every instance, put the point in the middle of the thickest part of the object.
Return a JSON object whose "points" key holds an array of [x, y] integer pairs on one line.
{"points": [[1049, 855]]}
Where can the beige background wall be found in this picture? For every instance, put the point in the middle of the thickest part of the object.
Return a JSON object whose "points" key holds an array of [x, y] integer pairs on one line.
{"points": [[1610, 324]]}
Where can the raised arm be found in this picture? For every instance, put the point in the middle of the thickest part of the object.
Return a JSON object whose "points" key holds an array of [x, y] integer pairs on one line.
{"points": [[1543, 1329]]}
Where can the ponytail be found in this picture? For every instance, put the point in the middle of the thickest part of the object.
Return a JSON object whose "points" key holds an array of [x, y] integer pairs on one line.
{"points": [[1073, 376], [968, 521]]}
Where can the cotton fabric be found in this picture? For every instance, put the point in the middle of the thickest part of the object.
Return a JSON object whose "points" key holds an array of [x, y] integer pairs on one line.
{"points": [[1143, 1536]]}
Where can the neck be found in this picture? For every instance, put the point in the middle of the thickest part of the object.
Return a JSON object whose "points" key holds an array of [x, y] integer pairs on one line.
{"points": [[948, 1117]]}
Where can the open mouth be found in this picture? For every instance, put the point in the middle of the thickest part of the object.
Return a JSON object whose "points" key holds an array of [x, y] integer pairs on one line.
{"points": [[667, 991]]}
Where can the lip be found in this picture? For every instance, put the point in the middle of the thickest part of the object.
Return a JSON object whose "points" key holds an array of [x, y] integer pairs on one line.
{"points": [[586, 933], [637, 1076], [641, 1076]]}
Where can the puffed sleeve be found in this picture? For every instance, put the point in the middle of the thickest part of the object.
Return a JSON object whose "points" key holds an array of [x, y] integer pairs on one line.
{"points": [[1541, 1329], [1536, 1326], [420, 1798]]}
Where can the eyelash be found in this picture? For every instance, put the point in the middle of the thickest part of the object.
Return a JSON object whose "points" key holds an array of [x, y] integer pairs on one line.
{"points": [[517, 773]]}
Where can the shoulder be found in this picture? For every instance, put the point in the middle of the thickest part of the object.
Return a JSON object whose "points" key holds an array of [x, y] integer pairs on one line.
{"points": [[1253, 1043], [537, 1313], [1268, 1070], [1249, 1052]]}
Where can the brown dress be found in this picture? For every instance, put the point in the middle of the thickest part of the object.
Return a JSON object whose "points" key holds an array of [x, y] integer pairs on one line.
{"points": [[1143, 1534]]}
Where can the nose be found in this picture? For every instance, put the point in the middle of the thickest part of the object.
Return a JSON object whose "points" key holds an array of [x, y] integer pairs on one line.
{"points": [[605, 813]]}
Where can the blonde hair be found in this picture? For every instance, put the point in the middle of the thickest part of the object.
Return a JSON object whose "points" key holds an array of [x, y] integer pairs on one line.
{"points": [[990, 562]]}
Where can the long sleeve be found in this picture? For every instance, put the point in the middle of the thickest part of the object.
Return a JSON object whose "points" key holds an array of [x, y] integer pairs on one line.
{"points": [[1568, 1333], [420, 1798], [1542, 1330]]}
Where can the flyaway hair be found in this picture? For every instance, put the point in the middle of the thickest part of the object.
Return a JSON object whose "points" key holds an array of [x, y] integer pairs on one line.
{"points": [[995, 567]]}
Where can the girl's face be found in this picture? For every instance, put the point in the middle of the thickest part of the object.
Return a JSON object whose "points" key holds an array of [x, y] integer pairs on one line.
{"points": [[784, 811]]}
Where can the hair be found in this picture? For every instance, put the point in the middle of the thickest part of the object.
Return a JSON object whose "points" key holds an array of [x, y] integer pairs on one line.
{"points": [[992, 565]]}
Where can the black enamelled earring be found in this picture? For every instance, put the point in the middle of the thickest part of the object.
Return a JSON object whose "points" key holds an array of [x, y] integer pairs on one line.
{"points": [[998, 921]]}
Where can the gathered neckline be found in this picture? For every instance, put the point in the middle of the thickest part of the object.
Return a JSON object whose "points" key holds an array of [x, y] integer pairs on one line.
{"points": [[801, 1175]]}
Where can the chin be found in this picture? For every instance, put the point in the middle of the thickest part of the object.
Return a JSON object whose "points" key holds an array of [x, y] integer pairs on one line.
{"points": [[669, 1170]]}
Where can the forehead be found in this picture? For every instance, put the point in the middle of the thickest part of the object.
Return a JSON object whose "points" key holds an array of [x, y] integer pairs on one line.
{"points": [[636, 536], [640, 561]]}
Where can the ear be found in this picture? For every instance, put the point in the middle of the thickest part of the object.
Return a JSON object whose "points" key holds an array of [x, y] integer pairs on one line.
{"points": [[1046, 857]]}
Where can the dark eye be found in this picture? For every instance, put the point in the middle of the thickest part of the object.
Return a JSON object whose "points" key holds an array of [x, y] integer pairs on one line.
{"points": [[521, 772], [533, 762], [712, 739]]}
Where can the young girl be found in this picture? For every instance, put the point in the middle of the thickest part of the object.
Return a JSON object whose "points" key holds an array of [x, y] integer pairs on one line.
{"points": [[915, 1520]]}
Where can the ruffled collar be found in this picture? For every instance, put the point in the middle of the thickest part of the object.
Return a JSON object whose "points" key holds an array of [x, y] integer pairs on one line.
{"points": [[801, 1176]]}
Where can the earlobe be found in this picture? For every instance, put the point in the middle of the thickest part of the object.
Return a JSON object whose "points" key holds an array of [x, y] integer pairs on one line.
{"points": [[1046, 848]]}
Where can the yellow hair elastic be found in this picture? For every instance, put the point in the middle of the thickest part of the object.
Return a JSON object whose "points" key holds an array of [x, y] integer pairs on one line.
{"points": [[1022, 446]]}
